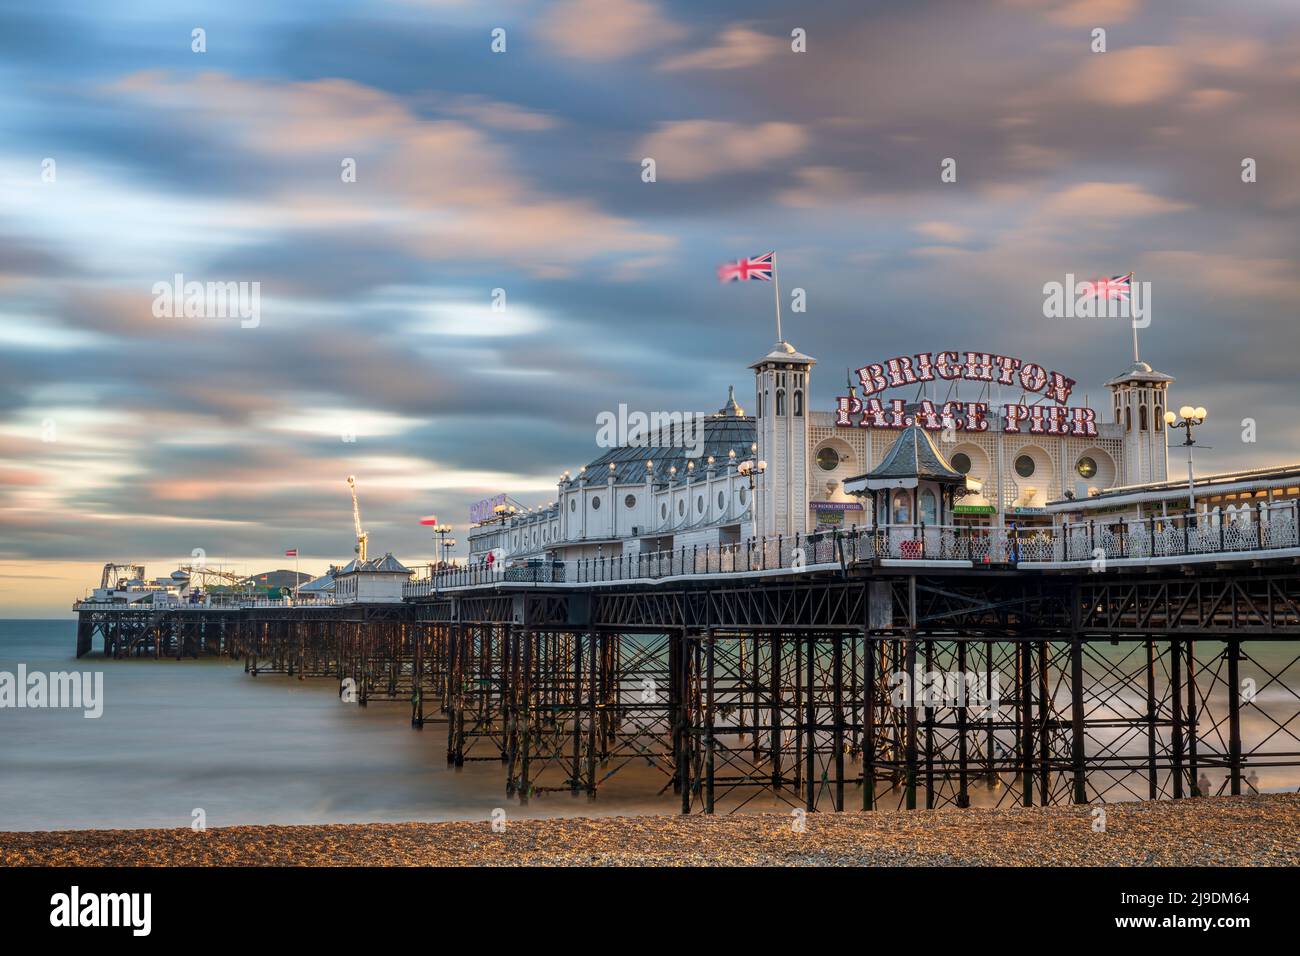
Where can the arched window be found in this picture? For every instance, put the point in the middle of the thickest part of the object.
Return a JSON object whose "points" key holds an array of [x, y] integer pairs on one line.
{"points": [[929, 507], [1142, 418], [780, 401], [798, 403], [1160, 419], [1128, 418]]}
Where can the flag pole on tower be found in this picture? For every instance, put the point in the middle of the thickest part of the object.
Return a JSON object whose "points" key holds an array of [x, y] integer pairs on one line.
{"points": [[776, 288], [1133, 323]]}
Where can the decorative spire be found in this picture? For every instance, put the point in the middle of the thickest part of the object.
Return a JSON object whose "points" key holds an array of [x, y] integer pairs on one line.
{"points": [[731, 409]]}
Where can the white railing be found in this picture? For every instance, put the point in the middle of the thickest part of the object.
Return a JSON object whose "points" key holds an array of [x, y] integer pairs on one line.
{"points": [[1261, 528]]}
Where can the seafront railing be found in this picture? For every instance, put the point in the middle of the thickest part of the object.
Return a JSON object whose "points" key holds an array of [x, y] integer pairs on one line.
{"points": [[1251, 528]]}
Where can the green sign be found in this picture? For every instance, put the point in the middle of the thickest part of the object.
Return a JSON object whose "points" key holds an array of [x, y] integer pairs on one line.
{"points": [[973, 510]]}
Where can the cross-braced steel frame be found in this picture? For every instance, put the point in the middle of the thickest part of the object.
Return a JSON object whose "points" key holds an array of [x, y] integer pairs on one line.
{"points": [[866, 689]]}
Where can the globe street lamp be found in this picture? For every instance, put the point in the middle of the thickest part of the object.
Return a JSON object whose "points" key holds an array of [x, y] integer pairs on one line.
{"points": [[1191, 417], [442, 531], [750, 468]]}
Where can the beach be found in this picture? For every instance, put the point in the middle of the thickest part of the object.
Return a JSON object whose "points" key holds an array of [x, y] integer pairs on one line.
{"points": [[1217, 831]]}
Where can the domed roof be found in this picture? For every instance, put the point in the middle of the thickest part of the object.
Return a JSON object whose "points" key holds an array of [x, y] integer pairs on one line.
{"points": [[1140, 372], [785, 352]]}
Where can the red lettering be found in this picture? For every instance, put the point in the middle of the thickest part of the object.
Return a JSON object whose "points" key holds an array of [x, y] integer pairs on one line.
{"points": [[873, 379], [1012, 415]]}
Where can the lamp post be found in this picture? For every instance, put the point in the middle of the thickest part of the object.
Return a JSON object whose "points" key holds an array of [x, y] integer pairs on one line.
{"points": [[1191, 417], [751, 469], [442, 531]]}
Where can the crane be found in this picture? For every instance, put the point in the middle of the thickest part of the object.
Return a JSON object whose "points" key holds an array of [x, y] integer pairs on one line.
{"points": [[362, 537]]}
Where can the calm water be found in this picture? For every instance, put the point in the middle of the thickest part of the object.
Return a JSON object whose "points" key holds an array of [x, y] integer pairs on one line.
{"points": [[176, 736]]}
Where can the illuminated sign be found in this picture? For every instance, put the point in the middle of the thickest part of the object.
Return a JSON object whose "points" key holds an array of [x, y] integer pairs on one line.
{"points": [[482, 511], [983, 367]]}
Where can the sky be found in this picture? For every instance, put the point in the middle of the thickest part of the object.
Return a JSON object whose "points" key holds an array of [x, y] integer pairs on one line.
{"points": [[448, 323]]}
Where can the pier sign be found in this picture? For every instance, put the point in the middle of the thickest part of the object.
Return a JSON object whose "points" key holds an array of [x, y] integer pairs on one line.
{"points": [[482, 511], [984, 367]]}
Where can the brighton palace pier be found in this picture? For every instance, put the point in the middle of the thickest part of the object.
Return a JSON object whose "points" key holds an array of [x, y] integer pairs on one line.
{"points": [[961, 585]]}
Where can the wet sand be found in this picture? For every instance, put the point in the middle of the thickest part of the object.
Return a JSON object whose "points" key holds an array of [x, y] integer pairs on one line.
{"points": [[1237, 831]]}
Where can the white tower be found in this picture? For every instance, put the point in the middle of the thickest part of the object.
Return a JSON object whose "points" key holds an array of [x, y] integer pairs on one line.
{"points": [[782, 380], [1140, 397]]}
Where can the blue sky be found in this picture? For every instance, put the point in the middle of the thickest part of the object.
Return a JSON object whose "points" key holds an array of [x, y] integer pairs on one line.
{"points": [[125, 435]]}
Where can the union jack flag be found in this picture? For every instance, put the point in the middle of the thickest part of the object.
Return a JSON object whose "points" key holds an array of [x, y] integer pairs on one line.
{"points": [[759, 267], [1116, 287]]}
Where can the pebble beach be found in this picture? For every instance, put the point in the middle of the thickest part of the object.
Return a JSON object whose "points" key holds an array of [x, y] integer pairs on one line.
{"points": [[1219, 831]]}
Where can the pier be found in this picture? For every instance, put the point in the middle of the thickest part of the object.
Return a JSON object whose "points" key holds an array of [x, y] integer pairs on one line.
{"points": [[849, 670]]}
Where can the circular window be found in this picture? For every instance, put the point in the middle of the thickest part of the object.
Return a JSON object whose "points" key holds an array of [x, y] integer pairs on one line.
{"points": [[573, 504], [534, 537], [699, 504], [630, 501], [1086, 467], [516, 541], [828, 459], [663, 510], [1024, 466], [681, 507], [743, 497], [961, 463], [722, 500], [595, 502]]}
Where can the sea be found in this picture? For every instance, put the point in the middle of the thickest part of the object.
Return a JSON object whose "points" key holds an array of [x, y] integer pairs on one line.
{"points": [[178, 737], [200, 740]]}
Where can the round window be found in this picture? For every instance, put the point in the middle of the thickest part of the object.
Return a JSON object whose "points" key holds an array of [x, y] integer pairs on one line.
{"points": [[595, 502], [663, 510], [1024, 466], [1086, 467], [630, 501], [699, 504], [744, 496], [516, 541], [828, 459], [681, 507], [961, 463], [722, 500], [573, 504]]}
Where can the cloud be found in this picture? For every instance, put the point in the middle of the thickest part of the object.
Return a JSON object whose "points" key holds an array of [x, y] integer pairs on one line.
{"points": [[495, 114], [942, 231], [700, 149], [441, 189], [1107, 201], [738, 47], [602, 30], [1093, 13], [1130, 77]]}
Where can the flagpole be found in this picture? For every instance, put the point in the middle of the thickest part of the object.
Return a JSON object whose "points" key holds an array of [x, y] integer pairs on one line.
{"points": [[1131, 317], [295, 575], [776, 285]]}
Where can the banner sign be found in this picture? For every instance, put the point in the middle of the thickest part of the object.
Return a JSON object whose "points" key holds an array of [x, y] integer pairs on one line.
{"points": [[835, 505], [983, 367], [482, 510]]}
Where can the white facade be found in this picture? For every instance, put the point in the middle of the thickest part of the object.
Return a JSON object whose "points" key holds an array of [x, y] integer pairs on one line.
{"points": [[636, 500], [378, 581]]}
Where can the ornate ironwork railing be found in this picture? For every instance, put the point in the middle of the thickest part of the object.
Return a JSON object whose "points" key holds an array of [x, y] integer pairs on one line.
{"points": [[1260, 528]]}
